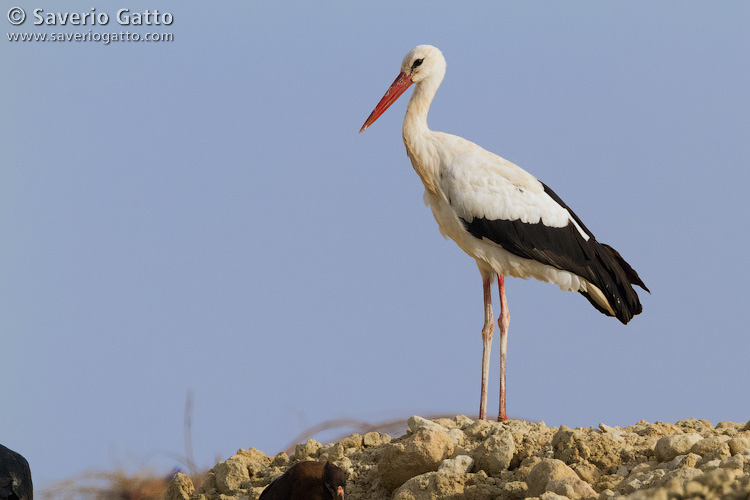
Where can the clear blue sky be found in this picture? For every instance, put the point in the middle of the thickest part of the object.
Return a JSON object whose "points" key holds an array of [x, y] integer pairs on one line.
{"points": [[201, 215]]}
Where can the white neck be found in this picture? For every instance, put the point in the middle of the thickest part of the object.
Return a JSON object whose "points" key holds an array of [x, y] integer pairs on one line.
{"points": [[415, 121], [417, 135]]}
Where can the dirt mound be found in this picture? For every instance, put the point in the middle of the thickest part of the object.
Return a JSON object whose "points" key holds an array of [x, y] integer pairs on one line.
{"points": [[460, 458]]}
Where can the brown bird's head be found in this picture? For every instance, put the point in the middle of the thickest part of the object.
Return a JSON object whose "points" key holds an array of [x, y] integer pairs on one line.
{"points": [[334, 480]]}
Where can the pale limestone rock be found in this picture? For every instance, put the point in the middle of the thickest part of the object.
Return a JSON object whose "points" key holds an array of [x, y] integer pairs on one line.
{"points": [[416, 422], [281, 458], [738, 445], [674, 479], [420, 453], [431, 486], [180, 488], [307, 450], [230, 475], [375, 439], [460, 464], [462, 421], [587, 472], [515, 490], [548, 495], [670, 446], [601, 449], [495, 453], [480, 429], [735, 463], [457, 437], [571, 487], [544, 472], [354, 441], [710, 465], [709, 444], [689, 460]]}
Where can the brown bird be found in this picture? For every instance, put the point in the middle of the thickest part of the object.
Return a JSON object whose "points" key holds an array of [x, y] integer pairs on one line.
{"points": [[308, 481], [15, 476]]}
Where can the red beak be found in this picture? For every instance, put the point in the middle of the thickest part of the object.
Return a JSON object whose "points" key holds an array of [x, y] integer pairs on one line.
{"points": [[397, 88], [340, 493]]}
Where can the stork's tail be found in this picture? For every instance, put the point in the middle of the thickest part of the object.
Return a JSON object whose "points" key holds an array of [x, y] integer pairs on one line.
{"points": [[615, 279]]}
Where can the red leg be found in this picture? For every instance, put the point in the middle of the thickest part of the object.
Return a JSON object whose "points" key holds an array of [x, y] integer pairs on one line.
{"points": [[487, 329], [503, 322]]}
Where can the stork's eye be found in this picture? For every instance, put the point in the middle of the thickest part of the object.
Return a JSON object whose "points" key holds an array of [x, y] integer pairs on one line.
{"points": [[416, 63]]}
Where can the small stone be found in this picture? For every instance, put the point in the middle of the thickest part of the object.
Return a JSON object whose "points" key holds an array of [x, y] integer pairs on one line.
{"points": [[457, 437], [335, 452], [353, 441], [709, 444], [230, 475], [608, 482], [515, 490], [641, 468], [607, 494], [180, 488], [674, 480], [738, 445], [495, 453], [308, 449], [669, 447], [643, 428], [606, 428], [614, 433], [344, 463], [689, 460], [549, 495], [421, 452], [694, 425], [446, 423], [460, 464], [375, 439], [630, 485], [415, 422], [719, 453], [544, 472], [571, 487], [479, 429], [281, 458], [587, 472], [736, 462], [429, 486], [462, 421], [725, 424], [710, 465]]}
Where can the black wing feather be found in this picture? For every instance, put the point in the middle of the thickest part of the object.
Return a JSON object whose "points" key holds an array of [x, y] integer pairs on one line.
{"points": [[564, 248]]}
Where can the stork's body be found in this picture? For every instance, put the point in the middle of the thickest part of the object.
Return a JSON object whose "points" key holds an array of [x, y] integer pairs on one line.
{"points": [[502, 216]]}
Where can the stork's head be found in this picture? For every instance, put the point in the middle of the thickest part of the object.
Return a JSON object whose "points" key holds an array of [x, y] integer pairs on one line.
{"points": [[423, 63]]}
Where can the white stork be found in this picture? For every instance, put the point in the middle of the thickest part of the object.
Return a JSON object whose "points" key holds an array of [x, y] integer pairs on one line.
{"points": [[502, 216]]}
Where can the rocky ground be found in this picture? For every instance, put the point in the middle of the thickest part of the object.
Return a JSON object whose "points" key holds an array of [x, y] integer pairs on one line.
{"points": [[461, 458]]}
